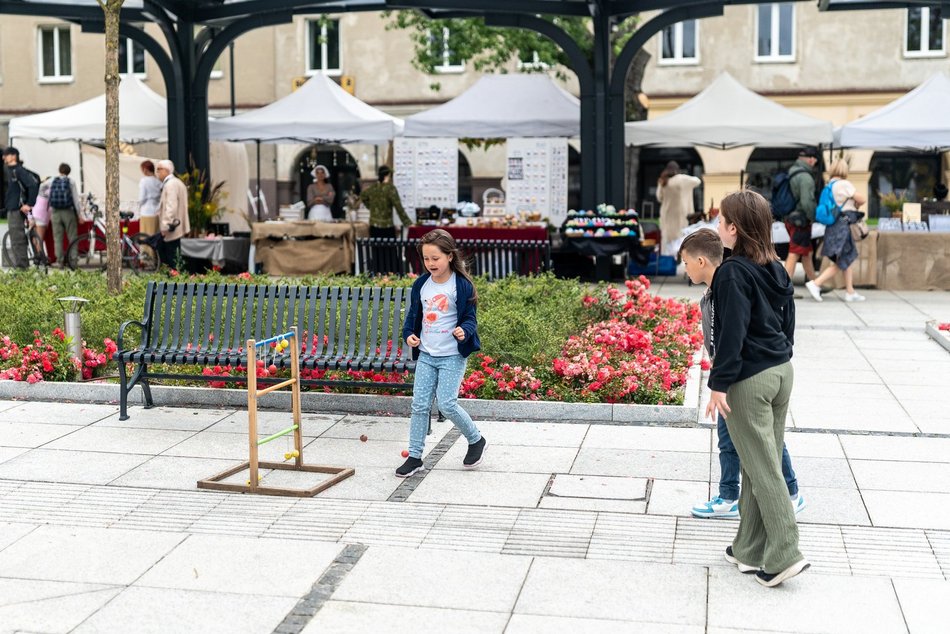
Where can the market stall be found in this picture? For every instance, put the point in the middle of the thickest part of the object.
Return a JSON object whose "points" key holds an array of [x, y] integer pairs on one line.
{"points": [[602, 234], [306, 246]]}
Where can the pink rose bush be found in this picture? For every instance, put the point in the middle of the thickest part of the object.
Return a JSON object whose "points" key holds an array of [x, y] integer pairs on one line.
{"points": [[48, 359]]}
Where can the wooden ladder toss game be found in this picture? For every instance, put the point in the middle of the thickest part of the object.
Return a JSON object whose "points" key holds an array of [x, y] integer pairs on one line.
{"points": [[253, 485]]}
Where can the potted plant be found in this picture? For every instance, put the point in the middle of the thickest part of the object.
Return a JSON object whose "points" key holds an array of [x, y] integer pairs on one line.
{"points": [[204, 200], [893, 203]]}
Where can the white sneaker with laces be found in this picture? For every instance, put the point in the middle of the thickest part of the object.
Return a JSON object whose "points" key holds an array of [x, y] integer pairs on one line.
{"points": [[814, 291], [854, 297], [717, 508]]}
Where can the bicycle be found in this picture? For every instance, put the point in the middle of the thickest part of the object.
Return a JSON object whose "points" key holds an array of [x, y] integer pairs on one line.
{"points": [[35, 248], [89, 252]]}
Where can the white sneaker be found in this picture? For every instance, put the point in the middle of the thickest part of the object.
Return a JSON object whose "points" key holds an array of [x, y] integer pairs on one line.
{"points": [[814, 290], [854, 297]]}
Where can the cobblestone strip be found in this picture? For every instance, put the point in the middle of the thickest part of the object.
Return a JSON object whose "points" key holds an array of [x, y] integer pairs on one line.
{"points": [[321, 591], [409, 485]]}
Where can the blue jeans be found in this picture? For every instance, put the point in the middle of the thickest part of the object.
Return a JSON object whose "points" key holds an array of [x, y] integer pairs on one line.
{"points": [[440, 377], [729, 466]]}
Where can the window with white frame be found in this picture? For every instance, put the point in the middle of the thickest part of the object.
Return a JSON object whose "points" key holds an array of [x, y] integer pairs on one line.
{"points": [[55, 54], [679, 43], [323, 47], [131, 57], [442, 49], [530, 60], [775, 32], [925, 33]]}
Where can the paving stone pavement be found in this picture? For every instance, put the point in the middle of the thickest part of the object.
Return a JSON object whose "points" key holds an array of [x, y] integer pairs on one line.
{"points": [[564, 528]]}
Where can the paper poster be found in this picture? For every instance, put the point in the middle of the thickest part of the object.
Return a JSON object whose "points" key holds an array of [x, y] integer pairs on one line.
{"points": [[537, 176], [426, 171]]}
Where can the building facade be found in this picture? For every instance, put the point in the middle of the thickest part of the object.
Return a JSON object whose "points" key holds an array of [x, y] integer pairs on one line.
{"points": [[837, 66]]}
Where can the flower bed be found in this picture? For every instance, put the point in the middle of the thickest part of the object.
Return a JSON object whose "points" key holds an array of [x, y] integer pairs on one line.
{"points": [[543, 339]]}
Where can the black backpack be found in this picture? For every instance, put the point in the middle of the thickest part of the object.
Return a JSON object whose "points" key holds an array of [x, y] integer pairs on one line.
{"points": [[60, 193]]}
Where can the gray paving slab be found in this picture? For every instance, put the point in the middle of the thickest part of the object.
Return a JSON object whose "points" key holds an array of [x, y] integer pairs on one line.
{"points": [[813, 445], [447, 486], [86, 555], [677, 497], [888, 475], [551, 533], [925, 604], [368, 483], [491, 582], [10, 532], [667, 465], [580, 486], [534, 624], [6, 404], [120, 440], [52, 465], [172, 472], [512, 458], [823, 472], [592, 504], [908, 509], [258, 566], [180, 418], [49, 606], [214, 445], [897, 448], [834, 604], [347, 617], [31, 435], [827, 505], [631, 591], [270, 422], [185, 611], [379, 428], [8, 453], [533, 434], [647, 438], [58, 413], [355, 453]]}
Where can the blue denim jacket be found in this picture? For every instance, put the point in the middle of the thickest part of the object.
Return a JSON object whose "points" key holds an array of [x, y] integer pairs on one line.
{"points": [[467, 318]]}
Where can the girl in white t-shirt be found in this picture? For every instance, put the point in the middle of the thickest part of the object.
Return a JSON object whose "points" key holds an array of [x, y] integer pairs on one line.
{"points": [[838, 244], [442, 328]]}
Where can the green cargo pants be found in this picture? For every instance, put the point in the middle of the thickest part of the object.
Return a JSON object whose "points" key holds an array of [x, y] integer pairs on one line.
{"points": [[768, 533]]}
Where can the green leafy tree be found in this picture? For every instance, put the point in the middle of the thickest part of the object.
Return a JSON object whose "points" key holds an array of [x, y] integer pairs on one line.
{"points": [[497, 49]]}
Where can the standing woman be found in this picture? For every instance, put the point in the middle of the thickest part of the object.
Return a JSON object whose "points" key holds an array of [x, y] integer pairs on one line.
{"points": [[675, 193], [839, 245], [150, 195], [320, 195], [753, 330]]}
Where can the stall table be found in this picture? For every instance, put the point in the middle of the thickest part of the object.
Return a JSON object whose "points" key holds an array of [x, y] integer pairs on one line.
{"points": [[225, 252], [306, 246], [912, 261], [462, 232], [602, 250]]}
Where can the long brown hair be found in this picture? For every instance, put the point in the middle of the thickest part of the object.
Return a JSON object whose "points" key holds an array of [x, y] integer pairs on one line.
{"points": [[443, 240], [752, 217], [672, 169]]}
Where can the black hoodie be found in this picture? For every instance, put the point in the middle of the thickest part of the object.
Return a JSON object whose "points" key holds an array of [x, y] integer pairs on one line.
{"points": [[753, 321]]}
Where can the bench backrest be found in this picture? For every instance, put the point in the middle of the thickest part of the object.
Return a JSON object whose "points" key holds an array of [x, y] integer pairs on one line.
{"points": [[333, 322], [491, 258]]}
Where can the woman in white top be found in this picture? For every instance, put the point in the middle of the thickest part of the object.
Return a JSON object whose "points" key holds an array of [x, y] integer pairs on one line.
{"points": [[320, 195], [675, 193], [838, 244], [150, 195]]}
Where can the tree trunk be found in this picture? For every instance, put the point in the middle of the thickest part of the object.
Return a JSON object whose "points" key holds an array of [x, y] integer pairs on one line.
{"points": [[111, 9]]}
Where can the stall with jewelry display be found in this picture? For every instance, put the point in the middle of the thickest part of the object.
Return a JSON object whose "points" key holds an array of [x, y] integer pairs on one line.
{"points": [[602, 234], [426, 171], [537, 177]]}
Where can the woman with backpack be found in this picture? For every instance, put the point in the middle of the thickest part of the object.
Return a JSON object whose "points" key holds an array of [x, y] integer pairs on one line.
{"points": [[839, 246], [63, 212]]}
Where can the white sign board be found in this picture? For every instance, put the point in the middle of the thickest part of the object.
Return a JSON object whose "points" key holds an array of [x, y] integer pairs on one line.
{"points": [[426, 171], [537, 176]]}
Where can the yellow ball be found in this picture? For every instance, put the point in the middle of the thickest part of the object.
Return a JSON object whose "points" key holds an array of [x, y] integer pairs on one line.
{"points": [[288, 456], [295, 453]]}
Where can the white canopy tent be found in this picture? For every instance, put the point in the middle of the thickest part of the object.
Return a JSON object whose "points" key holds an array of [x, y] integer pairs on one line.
{"points": [[503, 106], [918, 120], [728, 115], [317, 112], [49, 138]]}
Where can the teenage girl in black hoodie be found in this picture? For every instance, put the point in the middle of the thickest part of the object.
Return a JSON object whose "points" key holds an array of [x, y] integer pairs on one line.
{"points": [[751, 382]]}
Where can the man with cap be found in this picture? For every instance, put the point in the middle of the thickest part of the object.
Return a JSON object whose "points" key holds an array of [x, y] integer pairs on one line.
{"points": [[381, 198], [18, 202], [801, 181]]}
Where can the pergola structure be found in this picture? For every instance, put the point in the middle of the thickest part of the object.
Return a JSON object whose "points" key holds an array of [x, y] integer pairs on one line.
{"points": [[197, 32]]}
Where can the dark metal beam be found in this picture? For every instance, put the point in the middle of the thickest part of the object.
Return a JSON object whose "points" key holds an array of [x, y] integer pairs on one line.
{"points": [[526, 7], [63, 11], [254, 7]]}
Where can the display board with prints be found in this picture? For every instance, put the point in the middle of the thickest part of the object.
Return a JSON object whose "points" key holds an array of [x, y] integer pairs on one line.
{"points": [[426, 171], [537, 177]]}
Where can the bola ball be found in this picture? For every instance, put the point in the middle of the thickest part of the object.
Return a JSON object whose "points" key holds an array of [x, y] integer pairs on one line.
{"points": [[363, 438], [405, 454]]}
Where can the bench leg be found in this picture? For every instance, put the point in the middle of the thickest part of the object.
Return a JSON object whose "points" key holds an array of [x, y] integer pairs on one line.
{"points": [[123, 393], [147, 391]]}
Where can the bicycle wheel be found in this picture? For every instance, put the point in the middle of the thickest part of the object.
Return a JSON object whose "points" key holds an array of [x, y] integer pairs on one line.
{"points": [[7, 251], [138, 256], [85, 254], [37, 251]]}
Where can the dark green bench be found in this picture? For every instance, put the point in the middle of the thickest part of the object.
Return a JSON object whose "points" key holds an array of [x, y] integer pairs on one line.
{"points": [[209, 324]]}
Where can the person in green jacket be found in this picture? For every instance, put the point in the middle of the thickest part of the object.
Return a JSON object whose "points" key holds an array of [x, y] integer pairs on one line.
{"points": [[381, 198], [802, 183]]}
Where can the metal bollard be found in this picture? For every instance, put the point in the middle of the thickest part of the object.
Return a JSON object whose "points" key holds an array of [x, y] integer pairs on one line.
{"points": [[71, 321]]}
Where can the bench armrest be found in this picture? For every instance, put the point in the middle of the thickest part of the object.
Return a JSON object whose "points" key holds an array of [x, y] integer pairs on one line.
{"points": [[141, 324]]}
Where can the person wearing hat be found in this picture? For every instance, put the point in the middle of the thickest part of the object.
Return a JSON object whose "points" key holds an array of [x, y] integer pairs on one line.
{"points": [[801, 180], [320, 195], [381, 198]]}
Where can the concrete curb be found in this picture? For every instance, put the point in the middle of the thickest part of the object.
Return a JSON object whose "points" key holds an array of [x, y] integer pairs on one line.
{"points": [[552, 411], [941, 337]]}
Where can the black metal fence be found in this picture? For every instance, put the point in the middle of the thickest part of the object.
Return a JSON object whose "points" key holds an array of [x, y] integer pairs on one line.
{"points": [[492, 258]]}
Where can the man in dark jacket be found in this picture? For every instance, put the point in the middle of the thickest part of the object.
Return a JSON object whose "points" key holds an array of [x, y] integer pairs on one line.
{"points": [[802, 183], [20, 198]]}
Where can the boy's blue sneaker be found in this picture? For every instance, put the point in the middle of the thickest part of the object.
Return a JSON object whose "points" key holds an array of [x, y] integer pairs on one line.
{"points": [[717, 508], [798, 503]]}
